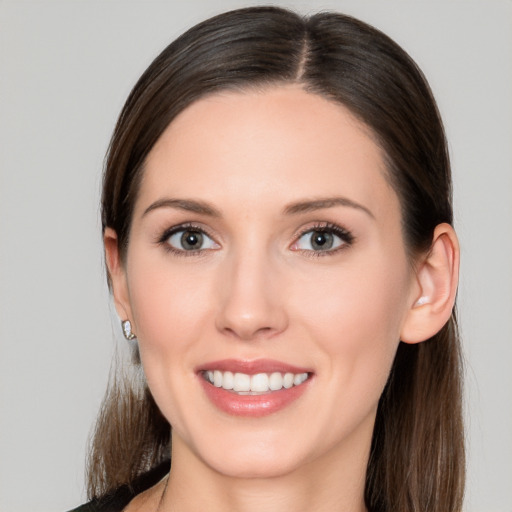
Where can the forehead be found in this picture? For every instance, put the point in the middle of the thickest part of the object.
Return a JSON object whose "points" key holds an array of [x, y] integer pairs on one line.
{"points": [[257, 146]]}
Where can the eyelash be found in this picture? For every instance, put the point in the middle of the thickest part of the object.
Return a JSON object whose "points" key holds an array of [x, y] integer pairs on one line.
{"points": [[163, 240], [322, 227], [326, 227]]}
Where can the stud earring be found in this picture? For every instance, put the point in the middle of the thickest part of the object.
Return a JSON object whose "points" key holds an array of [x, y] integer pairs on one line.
{"points": [[421, 301], [127, 330]]}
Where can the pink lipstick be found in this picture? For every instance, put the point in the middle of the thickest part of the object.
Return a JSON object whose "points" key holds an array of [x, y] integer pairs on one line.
{"points": [[253, 388]]}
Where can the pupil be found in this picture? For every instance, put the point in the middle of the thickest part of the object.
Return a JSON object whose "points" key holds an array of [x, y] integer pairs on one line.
{"points": [[191, 240], [321, 240]]}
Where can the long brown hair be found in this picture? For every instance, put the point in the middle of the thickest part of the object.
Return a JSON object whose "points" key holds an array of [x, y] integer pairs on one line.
{"points": [[417, 454]]}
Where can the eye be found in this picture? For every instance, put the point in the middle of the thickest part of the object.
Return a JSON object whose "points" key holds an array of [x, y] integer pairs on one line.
{"points": [[189, 240], [323, 239]]}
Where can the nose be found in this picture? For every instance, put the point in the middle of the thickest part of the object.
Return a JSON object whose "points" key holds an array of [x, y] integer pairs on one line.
{"points": [[252, 298]]}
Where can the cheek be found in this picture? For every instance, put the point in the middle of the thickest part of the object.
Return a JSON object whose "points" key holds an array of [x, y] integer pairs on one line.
{"points": [[169, 309], [368, 295], [356, 314]]}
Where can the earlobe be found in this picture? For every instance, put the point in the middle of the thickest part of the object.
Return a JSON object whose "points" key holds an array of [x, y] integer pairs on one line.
{"points": [[437, 276], [117, 275]]}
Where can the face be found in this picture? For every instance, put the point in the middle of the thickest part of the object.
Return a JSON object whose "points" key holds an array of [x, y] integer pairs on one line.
{"points": [[266, 255]]}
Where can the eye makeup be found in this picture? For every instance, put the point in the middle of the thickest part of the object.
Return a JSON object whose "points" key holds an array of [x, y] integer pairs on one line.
{"points": [[325, 239], [313, 240], [192, 234]]}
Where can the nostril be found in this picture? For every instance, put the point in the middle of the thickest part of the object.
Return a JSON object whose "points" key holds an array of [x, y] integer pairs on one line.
{"points": [[249, 333]]}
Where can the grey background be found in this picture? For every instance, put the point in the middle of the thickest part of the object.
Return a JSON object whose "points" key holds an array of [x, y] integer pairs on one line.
{"points": [[65, 69]]}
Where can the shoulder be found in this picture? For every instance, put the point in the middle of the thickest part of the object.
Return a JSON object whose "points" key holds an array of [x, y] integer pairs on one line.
{"points": [[121, 497], [99, 506], [88, 507]]}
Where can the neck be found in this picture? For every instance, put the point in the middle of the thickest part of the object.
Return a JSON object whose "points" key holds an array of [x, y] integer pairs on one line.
{"points": [[329, 484]]}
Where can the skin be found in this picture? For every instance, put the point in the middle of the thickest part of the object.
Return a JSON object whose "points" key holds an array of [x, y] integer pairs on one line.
{"points": [[258, 290]]}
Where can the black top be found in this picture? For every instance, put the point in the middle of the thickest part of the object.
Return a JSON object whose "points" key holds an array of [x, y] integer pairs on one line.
{"points": [[119, 499]]}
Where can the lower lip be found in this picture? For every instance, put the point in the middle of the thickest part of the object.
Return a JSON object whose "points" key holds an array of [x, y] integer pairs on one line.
{"points": [[252, 405]]}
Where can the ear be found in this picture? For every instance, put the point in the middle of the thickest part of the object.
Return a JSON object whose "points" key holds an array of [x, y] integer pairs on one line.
{"points": [[117, 274], [437, 275]]}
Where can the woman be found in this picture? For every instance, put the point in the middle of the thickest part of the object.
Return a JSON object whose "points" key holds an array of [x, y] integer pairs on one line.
{"points": [[278, 236]]}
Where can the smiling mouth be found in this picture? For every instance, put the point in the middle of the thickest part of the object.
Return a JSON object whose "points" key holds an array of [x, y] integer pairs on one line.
{"points": [[257, 384]]}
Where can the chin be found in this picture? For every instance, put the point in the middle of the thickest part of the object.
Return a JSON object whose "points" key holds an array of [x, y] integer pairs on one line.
{"points": [[249, 455], [262, 467]]}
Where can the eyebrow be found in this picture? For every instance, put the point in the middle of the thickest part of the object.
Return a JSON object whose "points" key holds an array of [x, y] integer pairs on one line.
{"points": [[327, 202], [203, 208], [188, 205]]}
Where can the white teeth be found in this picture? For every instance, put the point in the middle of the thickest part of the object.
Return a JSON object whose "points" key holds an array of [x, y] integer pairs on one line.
{"points": [[228, 380], [288, 380], [257, 383], [299, 378], [217, 379], [275, 382], [242, 382]]}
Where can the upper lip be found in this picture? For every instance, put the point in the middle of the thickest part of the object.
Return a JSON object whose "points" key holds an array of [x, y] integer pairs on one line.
{"points": [[251, 367]]}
